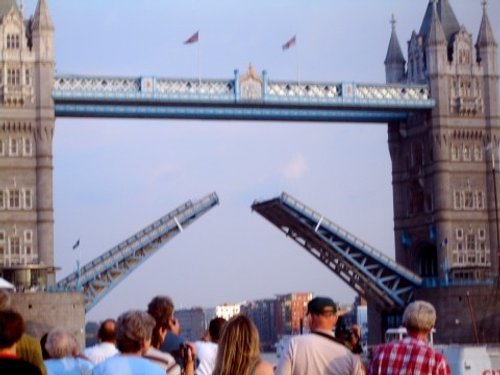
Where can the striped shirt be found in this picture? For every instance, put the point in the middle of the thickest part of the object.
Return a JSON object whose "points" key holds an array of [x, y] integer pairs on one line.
{"points": [[409, 356]]}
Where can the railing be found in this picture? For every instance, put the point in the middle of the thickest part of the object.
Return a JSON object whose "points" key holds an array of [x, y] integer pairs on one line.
{"points": [[99, 276], [369, 272], [77, 87], [381, 257], [435, 282]]}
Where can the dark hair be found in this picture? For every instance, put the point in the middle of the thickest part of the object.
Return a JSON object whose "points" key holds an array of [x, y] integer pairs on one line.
{"points": [[215, 328], [161, 308], [107, 331], [11, 328], [43, 341]]}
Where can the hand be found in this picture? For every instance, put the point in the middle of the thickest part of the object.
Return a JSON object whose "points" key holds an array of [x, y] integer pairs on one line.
{"points": [[192, 348], [190, 357], [175, 326]]}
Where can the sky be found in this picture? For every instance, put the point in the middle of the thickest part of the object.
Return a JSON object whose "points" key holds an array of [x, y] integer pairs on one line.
{"points": [[114, 177]]}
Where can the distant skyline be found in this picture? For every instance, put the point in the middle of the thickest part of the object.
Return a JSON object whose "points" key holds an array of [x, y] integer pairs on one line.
{"points": [[113, 177]]}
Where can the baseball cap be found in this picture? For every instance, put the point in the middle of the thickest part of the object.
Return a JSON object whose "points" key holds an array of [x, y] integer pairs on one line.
{"points": [[321, 305]]}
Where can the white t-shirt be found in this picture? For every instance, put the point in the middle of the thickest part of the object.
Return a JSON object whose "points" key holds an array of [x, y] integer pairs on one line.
{"points": [[313, 354], [206, 352], [99, 352]]}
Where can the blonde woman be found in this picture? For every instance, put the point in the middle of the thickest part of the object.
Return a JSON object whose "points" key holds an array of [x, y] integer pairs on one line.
{"points": [[239, 350]]}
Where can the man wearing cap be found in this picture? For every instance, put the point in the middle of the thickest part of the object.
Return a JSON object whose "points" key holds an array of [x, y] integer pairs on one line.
{"points": [[318, 353]]}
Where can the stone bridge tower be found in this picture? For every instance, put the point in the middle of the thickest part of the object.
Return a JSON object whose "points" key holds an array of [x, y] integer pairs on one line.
{"points": [[26, 132], [445, 172]]}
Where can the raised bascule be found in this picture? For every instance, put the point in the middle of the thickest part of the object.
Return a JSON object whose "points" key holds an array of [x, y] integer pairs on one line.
{"points": [[442, 111]]}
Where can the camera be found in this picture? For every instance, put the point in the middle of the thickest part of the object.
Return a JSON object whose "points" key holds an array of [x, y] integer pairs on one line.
{"points": [[185, 354]]}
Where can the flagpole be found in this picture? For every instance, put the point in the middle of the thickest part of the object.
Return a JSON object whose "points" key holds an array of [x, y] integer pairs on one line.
{"points": [[297, 57], [198, 62], [78, 258]]}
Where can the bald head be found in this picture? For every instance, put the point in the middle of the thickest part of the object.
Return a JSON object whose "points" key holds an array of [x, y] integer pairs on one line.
{"points": [[107, 331]]}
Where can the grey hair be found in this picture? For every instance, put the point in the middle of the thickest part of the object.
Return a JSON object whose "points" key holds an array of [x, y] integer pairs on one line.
{"points": [[132, 329], [4, 299], [419, 316], [61, 344]]}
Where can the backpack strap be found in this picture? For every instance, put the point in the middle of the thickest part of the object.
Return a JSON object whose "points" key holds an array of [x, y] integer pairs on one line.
{"points": [[332, 338]]}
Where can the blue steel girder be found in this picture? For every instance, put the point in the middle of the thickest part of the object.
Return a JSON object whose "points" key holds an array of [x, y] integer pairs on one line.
{"points": [[98, 277], [369, 272], [151, 97]]}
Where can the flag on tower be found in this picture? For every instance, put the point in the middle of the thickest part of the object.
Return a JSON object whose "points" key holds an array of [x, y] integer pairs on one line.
{"points": [[193, 38], [77, 243], [290, 43]]}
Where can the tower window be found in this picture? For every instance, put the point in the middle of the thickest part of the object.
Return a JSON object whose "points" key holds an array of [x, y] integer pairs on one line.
{"points": [[478, 152], [28, 249], [28, 147], [457, 200], [13, 146], [467, 153], [468, 200], [14, 198], [471, 242], [14, 243], [28, 235], [481, 234], [13, 77], [479, 200], [2, 151], [455, 153], [12, 41], [2, 200], [463, 57], [460, 234], [27, 77], [28, 199]]}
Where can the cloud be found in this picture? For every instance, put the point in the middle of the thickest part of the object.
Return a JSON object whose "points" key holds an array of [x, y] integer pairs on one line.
{"points": [[296, 168]]}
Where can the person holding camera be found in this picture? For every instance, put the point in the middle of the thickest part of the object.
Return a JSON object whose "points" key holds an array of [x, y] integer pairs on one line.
{"points": [[179, 358], [319, 352], [207, 349]]}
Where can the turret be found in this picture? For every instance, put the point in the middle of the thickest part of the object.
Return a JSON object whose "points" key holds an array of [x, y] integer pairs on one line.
{"points": [[486, 47], [6, 5], [436, 44], [436, 60], [394, 60], [43, 47], [42, 31]]}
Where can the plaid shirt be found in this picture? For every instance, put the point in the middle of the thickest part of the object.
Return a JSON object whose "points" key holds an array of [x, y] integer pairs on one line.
{"points": [[409, 356]]}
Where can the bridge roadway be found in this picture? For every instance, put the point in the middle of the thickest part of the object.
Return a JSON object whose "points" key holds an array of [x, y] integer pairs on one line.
{"points": [[246, 97]]}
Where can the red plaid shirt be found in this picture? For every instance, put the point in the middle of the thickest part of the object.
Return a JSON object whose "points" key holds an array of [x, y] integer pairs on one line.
{"points": [[409, 356]]}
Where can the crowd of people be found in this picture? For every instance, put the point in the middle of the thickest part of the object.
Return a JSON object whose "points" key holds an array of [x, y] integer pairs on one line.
{"points": [[149, 342]]}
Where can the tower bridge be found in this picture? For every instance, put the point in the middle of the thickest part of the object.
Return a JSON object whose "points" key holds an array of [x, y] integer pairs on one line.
{"points": [[249, 97], [442, 111]]}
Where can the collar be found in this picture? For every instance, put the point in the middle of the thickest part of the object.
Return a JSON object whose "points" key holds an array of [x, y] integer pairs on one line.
{"points": [[9, 355]]}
